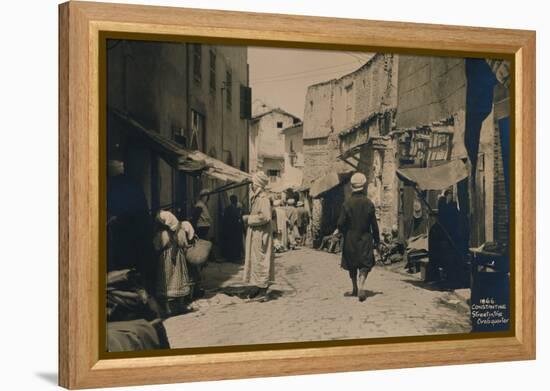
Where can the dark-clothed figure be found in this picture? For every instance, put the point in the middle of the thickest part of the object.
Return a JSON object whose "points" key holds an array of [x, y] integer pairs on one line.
{"points": [[445, 242], [129, 226], [232, 230], [357, 222], [448, 214]]}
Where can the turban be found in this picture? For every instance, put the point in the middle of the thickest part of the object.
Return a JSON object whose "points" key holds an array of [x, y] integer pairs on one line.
{"points": [[260, 179], [358, 181]]}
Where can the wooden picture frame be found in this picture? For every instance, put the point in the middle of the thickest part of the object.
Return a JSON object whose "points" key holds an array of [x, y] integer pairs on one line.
{"points": [[80, 27]]}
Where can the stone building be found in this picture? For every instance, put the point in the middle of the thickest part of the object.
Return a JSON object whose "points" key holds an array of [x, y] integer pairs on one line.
{"points": [[435, 103], [267, 146], [346, 126], [189, 97], [294, 155]]}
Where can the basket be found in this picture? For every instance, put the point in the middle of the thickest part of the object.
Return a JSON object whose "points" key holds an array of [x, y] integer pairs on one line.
{"points": [[198, 252]]}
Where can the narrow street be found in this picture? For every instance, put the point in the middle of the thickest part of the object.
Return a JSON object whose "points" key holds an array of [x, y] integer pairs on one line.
{"points": [[307, 304]]}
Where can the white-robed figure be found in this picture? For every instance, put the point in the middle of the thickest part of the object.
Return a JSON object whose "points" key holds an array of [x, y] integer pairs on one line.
{"points": [[281, 231], [259, 268], [173, 282]]}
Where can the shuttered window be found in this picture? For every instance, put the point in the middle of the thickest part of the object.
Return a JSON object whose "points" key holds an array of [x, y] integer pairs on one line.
{"points": [[246, 102]]}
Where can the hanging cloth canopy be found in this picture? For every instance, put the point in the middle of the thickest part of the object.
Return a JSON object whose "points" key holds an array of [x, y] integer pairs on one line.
{"points": [[323, 184], [435, 178], [180, 158]]}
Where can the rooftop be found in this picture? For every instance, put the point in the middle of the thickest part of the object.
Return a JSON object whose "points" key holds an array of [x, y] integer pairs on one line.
{"points": [[367, 64], [276, 110], [294, 126]]}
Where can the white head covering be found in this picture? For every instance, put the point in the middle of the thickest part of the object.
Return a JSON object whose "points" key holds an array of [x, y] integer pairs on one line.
{"points": [[358, 181], [260, 179], [168, 219]]}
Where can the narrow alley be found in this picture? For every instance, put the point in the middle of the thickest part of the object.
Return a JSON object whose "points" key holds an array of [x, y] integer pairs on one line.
{"points": [[306, 303]]}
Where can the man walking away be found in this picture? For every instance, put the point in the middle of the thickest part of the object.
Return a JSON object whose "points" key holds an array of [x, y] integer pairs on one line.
{"points": [[357, 222]]}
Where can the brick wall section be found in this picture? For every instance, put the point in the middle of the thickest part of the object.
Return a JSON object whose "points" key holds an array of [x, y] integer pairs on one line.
{"points": [[430, 89], [372, 88], [318, 110], [382, 190], [315, 159]]}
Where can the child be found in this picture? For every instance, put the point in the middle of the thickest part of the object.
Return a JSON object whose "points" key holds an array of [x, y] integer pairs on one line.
{"points": [[173, 283]]}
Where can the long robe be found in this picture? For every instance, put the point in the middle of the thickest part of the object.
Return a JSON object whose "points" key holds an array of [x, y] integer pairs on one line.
{"points": [[259, 267], [358, 224], [173, 279], [282, 230], [293, 234]]}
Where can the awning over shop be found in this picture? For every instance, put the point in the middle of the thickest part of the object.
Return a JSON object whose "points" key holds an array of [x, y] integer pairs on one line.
{"points": [[180, 158], [324, 184], [219, 170], [435, 178]]}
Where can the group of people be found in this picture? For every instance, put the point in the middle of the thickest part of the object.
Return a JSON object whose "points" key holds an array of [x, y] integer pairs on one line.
{"points": [[356, 223], [290, 222], [178, 281], [271, 225], [270, 222]]}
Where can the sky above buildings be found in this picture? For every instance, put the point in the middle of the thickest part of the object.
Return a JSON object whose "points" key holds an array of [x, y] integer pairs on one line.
{"points": [[280, 77]]}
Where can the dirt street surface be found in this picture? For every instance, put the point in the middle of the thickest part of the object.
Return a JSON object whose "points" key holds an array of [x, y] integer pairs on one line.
{"points": [[306, 303]]}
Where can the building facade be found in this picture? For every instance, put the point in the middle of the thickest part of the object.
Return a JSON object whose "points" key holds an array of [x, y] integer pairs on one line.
{"points": [[194, 95], [434, 103], [346, 126], [268, 149], [293, 155]]}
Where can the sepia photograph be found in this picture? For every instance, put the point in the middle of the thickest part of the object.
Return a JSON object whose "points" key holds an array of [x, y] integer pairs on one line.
{"points": [[275, 195]]}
